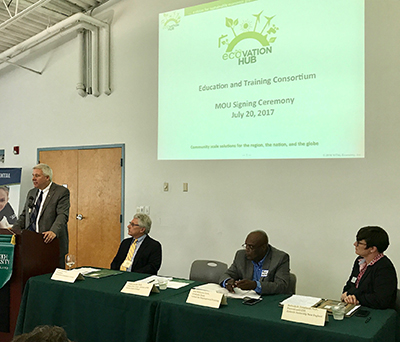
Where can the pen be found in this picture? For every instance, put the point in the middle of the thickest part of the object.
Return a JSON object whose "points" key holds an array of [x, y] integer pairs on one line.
{"points": [[368, 319]]}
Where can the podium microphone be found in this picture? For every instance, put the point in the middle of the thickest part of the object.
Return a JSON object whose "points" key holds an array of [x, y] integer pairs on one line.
{"points": [[31, 202]]}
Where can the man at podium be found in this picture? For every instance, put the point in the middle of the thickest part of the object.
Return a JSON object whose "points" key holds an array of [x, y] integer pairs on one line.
{"points": [[46, 209]]}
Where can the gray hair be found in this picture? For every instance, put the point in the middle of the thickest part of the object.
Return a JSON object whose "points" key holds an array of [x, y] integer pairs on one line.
{"points": [[46, 169], [144, 221]]}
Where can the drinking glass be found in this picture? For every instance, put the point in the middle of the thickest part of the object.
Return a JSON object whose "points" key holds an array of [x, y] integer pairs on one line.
{"points": [[70, 260]]}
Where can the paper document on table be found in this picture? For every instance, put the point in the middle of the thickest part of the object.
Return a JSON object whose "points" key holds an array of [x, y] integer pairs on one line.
{"points": [[102, 273], [172, 284], [86, 270], [299, 300], [152, 279], [238, 294], [178, 283]]}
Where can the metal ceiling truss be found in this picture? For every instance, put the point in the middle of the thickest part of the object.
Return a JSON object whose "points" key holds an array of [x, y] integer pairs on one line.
{"points": [[25, 24]]}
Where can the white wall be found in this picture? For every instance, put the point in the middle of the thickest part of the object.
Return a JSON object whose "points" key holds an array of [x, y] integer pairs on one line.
{"points": [[310, 208]]}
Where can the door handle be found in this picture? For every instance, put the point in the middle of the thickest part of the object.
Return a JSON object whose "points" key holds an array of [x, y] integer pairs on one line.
{"points": [[79, 217]]}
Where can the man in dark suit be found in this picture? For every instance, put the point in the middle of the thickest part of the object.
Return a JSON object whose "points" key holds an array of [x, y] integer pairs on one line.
{"points": [[140, 253], [259, 267], [46, 209]]}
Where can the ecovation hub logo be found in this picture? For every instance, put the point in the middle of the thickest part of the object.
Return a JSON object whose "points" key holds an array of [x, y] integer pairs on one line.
{"points": [[248, 30], [170, 20]]}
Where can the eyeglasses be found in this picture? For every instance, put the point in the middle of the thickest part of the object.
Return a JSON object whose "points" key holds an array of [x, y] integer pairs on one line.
{"points": [[247, 246], [133, 225], [360, 243]]}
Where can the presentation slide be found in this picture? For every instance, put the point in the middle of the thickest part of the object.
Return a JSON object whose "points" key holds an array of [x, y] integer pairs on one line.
{"points": [[262, 79]]}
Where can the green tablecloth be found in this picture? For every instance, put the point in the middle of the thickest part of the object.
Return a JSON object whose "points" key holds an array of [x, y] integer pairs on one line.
{"points": [[181, 322], [93, 309]]}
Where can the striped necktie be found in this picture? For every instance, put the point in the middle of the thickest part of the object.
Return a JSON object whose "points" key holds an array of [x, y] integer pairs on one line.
{"points": [[35, 212], [129, 256]]}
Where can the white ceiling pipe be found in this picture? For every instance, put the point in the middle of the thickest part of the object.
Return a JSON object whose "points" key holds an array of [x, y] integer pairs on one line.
{"points": [[106, 63], [81, 86], [105, 33], [89, 60], [67, 26], [79, 26], [21, 50], [93, 63]]}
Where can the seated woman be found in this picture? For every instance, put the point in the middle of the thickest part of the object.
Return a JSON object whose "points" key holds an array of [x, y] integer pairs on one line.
{"points": [[373, 280]]}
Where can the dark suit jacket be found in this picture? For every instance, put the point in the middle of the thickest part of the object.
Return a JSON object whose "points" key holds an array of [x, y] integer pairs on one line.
{"points": [[147, 258], [277, 264], [378, 285], [54, 215]]}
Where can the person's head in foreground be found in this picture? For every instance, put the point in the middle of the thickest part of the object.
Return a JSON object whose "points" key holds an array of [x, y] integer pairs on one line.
{"points": [[44, 333]]}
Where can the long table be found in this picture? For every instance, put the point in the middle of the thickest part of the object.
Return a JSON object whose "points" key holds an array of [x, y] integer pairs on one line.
{"points": [[95, 310], [262, 322]]}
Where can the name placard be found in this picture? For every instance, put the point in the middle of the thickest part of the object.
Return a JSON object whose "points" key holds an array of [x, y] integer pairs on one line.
{"points": [[66, 276], [206, 298], [138, 288], [302, 314]]}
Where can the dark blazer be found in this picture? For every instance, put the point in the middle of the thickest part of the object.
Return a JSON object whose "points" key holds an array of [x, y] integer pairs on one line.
{"points": [[8, 213], [378, 285], [54, 215], [277, 264], [147, 258]]}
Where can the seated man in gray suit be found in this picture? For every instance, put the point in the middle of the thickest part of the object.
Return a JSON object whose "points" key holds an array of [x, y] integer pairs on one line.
{"points": [[46, 209], [259, 267]]}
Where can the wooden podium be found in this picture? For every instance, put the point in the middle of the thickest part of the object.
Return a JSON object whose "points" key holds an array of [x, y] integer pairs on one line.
{"points": [[32, 257]]}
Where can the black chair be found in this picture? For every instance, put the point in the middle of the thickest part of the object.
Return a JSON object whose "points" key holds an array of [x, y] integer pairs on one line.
{"points": [[207, 271]]}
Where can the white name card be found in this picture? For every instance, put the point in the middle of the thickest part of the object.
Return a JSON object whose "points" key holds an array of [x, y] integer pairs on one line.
{"points": [[139, 288], [302, 314], [206, 298], [67, 276]]}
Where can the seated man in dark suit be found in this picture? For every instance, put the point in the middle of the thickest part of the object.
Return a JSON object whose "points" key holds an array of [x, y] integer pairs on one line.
{"points": [[259, 267], [140, 253]]}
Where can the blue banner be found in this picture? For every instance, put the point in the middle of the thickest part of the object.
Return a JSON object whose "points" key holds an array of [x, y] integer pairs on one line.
{"points": [[10, 176]]}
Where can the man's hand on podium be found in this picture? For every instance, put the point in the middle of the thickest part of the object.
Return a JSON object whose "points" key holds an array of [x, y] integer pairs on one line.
{"points": [[48, 236]]}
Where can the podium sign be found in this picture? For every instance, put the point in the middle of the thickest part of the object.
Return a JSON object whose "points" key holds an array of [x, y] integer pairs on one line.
{"points": [[32, 257], [6, 259]]}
